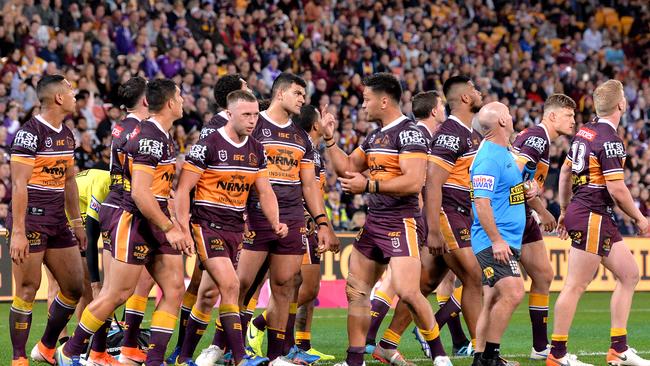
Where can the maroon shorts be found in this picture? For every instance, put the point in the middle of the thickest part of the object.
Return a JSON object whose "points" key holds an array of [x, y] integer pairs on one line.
{"points": [[106, 216], [136, 241], [532, 232], [42, 237], [455, 227], [311, 256], [589, 231], [422, 225], [212, 242], [383, 238], [265, 240]]}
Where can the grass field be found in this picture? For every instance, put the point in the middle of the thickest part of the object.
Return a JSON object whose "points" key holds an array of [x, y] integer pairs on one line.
{"points": [[589, 336]]}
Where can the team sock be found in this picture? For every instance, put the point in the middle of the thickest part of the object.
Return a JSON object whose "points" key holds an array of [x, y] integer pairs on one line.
{"points": [[98, 343], [303, 340], [247, 315], [433, 340], [162, 328], [133, 315], [276, 343], [291, 323], [379, 307], [390, 339], [59, 314], [219, 338], [20, 321], [229, 316], [197, 322], [88, 325], [618, 339], [260, 321], [355, 356], [538, 309], [558, 345], [186, 309]]}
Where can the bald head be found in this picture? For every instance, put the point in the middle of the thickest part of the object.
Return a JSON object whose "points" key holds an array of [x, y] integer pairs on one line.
{"points": [[492, 116]]}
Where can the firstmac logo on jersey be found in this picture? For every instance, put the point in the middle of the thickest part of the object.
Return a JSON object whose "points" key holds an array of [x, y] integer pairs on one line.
{"points": [[536, 143], [150, 147], [411, 137], [484, 182], [448, 142], [614, 149], [27, 140], [198, 152]]}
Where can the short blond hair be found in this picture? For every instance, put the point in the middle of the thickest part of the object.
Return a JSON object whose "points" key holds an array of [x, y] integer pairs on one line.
{"points": [[607, 96]]}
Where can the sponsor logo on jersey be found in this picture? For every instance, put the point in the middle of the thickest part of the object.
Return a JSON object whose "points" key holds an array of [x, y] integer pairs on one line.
{"points": [[217, 244], [26, 140], [284, 160], [483, 181], [411, 137], [614, 149], [206, 131], [117, 131], [94, 204], [236, 186], [586, 134], [536, 142], [198, 152], [517, 195], [448, 142], [150, 147]]}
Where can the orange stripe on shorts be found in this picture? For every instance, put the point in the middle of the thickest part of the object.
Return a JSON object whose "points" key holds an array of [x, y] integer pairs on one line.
{"points": [[447, 231], [593, 232], [410, 226], [200, 242], [123, 236]]}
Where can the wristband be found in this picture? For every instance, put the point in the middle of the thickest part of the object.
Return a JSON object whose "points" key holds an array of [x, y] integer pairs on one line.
{"points": [[324, 223], [376, 186], [79, 220], [319, 216], [328, 139], [367, 186], [165, 228], [330, 145]]}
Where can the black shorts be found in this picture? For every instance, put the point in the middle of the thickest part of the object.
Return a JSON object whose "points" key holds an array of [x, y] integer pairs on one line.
{"points": [[493, 271]]}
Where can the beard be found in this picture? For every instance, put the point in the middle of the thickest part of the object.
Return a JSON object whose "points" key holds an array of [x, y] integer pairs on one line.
{"points": [[475, 107]]}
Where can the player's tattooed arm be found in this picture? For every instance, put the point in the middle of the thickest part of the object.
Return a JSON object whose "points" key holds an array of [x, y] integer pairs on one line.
{"points": [[20, 174]]}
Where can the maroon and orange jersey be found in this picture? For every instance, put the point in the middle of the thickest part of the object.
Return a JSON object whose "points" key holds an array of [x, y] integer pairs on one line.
{"points": [[218, 120], [120, 133], [319, 169], [383, 150], [453, 148], [150, 149], [597, 155], [532, 144], [50, 152], [288, 150], [228, 172]]}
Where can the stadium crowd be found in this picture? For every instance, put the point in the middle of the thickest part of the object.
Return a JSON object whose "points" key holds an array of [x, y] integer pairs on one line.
{"points": [[517, 53]]}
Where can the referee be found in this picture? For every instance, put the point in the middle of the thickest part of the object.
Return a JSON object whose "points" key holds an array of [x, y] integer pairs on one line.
{"points": [[499, 221]]}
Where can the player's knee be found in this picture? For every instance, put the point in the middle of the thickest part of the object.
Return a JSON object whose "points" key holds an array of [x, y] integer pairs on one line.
{"points": [[630, 278], [409, 296], [73, 290], [230, 288], [208, 296], [357, 293], [297, 280], [311, 292]]}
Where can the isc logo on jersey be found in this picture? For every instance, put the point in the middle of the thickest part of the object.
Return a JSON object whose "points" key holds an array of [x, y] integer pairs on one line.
{"points": [[484, 182], [411, 137]]}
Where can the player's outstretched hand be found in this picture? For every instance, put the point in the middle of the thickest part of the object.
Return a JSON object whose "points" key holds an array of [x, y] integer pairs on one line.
{"points": [[281, 230], [501, 251], [561, 229], [19, 248], [354, 182], [436, 242], [80, 234]]}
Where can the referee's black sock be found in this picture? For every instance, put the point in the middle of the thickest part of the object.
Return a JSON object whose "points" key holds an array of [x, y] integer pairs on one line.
{"points": [[491, 351], [477, 358]]}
